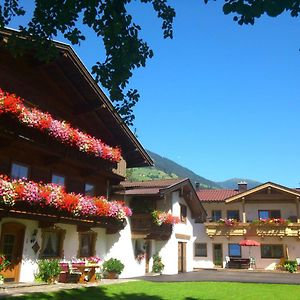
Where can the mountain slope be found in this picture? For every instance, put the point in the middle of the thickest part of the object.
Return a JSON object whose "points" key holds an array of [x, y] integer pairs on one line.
{"points": [[233, 183], [165, 168]]}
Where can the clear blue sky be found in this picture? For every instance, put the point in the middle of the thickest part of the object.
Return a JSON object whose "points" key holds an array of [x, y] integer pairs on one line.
{"points": [[220, 99]]}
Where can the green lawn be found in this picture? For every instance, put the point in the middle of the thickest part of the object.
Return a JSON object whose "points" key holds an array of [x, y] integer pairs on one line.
{"points": [[175, 291]]}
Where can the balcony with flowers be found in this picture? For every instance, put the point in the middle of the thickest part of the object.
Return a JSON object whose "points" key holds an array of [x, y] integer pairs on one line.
{"points": [[226, 227], [276, 227], [56, 137], [49, 202], [156, 225]]}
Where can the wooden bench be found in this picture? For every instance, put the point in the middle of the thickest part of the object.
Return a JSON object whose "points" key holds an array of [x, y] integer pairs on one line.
{"points": [[239, 263]]}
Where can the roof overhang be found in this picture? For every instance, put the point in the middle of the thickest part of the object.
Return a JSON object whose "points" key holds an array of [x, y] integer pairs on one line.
{"points": [[189, 194], [269, 187], [77, 74]]}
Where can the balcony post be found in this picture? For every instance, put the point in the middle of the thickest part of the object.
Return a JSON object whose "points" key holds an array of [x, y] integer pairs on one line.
{"points": [[243, 208], [298, 209]]}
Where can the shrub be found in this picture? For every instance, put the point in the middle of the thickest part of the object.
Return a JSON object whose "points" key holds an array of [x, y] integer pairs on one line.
{"points": [[158, 266], [113, 265], [48, 271], [291, 265]]}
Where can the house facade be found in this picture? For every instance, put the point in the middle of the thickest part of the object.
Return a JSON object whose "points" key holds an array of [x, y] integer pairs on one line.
{"points": [[62, 148], [161, 223], [268, 214]]}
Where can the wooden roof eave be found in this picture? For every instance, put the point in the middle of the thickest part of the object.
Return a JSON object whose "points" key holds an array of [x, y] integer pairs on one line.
{"points": [[136, 155], [241, 196], [137, 147], [193, 201]]}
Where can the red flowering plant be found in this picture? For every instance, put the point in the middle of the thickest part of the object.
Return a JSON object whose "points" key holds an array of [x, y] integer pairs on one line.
{"points": [[160, 217], [271, 221], [59, 130], [4, 262], [228, 222], [50, 195]]}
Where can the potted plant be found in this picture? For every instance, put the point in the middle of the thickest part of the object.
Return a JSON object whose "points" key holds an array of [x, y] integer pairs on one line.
{"points": [[3, 264], [112, 268], [48, 270], [158, 265]]}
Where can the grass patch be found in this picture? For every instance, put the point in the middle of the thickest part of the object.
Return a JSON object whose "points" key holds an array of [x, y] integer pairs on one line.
{"points": [[175, 291]]}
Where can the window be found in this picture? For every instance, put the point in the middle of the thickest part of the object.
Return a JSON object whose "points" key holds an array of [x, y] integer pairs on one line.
{"points": [[200, 249], [234, 250], [57, 179], [267, 214], [89, 190], [183, 213], [19, 171], [272, 251], [233, 214], [52, 242], [216, 215], [87, 243]]}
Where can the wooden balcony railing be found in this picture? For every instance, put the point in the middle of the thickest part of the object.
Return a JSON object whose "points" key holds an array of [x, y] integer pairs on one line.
{"points": [[220, 229], [142, 225], [241, 229]]}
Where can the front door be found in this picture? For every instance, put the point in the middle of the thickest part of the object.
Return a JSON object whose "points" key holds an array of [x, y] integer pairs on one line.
{"points": [[218, 254], [181, 257], [11, 245]]}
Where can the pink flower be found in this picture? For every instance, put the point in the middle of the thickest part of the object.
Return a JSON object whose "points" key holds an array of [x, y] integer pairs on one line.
{"points": [[60, 130]]}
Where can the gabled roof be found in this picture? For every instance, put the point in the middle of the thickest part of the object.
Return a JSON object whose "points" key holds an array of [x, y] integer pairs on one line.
{"points": [[215, 195], [89, 99], [163, 187], [266, 186]]}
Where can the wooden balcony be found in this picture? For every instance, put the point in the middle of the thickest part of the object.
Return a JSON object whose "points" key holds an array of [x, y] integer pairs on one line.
{"points": [[13, 133], [142, 226], [250, 229], [220, 229]]}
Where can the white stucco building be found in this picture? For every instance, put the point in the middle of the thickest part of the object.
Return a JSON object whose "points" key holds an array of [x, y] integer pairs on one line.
{"points": [[268, 214]]}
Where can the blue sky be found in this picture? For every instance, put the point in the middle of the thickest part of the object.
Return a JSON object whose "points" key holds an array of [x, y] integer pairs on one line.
{"points": [[220, 99]]}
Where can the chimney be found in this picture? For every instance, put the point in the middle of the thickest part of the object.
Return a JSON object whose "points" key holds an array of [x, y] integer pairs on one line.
{"points": [[197, 186], [242, 186]]}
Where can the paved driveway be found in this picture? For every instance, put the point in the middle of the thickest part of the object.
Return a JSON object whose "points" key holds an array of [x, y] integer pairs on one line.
{"points": [[229, 275]]}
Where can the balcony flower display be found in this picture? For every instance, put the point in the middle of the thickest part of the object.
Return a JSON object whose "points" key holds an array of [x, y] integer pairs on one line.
{"points": [[160, 218], [59, 130], [13, 191], [140, 256], [271, 221], [228, 222]]}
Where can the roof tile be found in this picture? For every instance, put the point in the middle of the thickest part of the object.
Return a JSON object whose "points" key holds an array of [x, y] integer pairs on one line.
{"points": [[215, 195]]}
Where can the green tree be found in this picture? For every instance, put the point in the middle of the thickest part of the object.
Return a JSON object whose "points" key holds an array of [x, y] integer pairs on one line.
{"points": [[112, 23], [247, 11], [109, 19]]}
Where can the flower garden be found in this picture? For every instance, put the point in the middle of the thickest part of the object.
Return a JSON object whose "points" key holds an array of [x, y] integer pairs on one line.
{"points": [[43, 196], [59, 130]]}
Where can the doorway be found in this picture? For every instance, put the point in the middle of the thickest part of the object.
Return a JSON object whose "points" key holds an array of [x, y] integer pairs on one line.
{"points": [[11, 245], [218, 254], [181, 257]]}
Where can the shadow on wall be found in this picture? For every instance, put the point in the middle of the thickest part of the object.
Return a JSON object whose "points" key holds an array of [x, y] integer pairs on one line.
{"points": [[111, 240]]}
